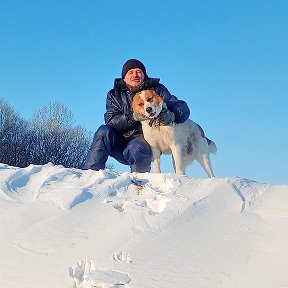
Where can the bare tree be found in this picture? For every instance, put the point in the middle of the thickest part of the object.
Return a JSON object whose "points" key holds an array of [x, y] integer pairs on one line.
{"points": [[50, 136], [56, 139], [15, 137]]}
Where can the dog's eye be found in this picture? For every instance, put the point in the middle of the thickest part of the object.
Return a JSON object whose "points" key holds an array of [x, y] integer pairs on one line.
{"points": [[141, 104], [149, 100]]}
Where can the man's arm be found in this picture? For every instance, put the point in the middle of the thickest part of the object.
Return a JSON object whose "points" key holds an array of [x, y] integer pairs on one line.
{"points": [[115, 116], [178, 107]]}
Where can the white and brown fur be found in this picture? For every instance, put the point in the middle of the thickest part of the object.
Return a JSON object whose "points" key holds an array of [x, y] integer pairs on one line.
{"points": [[185, 141]]}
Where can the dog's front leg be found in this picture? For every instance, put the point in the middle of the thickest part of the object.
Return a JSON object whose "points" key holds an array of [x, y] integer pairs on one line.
{"points": [[156, 160], [177, 157]]}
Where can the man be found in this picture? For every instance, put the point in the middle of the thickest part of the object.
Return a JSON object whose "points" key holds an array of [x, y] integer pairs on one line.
{"points": [[121, 137]]}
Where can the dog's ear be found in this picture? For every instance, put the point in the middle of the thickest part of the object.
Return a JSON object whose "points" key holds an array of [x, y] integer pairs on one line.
{"points": [[134, 100], [159, 99]]}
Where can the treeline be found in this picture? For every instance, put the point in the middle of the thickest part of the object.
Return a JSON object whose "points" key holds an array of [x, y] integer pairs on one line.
{"points": [[50, 136]]}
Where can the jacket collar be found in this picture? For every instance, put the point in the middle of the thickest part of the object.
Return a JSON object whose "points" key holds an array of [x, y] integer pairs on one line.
{"points": [[148, 83]]}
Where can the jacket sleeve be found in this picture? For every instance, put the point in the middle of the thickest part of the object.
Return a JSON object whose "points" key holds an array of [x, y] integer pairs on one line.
{"points": [[115, 116], [178, 107]]}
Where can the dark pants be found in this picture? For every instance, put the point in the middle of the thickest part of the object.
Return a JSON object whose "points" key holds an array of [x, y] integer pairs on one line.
{"points": [[135, 152]]}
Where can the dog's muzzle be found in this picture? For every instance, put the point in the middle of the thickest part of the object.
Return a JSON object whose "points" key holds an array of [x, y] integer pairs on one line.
{"points": [[150, 112]]}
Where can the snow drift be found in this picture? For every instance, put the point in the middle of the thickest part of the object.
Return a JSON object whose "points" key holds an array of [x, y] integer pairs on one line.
{"points": [[71, 228]]}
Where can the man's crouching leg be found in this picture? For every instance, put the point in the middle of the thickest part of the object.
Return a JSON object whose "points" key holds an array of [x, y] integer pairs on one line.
{"points": [[106, 142], [138, 154]]}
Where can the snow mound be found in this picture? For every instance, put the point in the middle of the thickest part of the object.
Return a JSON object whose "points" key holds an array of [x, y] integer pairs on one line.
{"points": [[168, 231]]}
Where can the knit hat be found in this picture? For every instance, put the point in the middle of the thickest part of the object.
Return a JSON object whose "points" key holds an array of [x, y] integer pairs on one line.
{"points": [[131, 64]]}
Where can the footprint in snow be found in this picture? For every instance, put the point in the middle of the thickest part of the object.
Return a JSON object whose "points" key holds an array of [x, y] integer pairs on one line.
{"points": [[87, 275], [122, 257]]}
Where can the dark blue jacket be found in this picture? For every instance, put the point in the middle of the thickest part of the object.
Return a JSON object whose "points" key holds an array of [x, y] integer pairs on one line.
{"points": [[119, 113]]}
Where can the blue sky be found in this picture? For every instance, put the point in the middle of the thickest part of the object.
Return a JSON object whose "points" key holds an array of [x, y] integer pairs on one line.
{"points": [[227, 59]]}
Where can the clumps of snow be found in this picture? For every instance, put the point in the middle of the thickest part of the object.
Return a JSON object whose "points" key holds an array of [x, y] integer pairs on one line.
{"points": [[86, 275]]}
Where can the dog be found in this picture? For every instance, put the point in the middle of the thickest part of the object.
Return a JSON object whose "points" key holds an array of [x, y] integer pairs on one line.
{"points": [[185, 141]]}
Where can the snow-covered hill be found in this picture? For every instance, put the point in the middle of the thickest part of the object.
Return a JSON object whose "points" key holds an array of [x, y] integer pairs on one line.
{"points": [[72, 228]]}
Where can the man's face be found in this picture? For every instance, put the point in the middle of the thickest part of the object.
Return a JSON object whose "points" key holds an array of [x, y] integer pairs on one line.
{"points": [[134, 77]]}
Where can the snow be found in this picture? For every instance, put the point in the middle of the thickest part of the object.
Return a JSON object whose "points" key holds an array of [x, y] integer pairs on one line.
{"points": [[71, 228]]}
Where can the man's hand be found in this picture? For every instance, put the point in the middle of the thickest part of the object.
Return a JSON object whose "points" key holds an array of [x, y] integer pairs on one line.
{"points": [[166, 117], [139, 117]]}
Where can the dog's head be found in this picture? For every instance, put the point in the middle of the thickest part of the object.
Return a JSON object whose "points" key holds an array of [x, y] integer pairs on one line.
{"points": [[146, 104]]}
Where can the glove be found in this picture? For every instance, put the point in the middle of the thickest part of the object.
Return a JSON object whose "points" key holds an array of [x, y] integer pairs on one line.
{"points": [[139, 117], [166, 117]]}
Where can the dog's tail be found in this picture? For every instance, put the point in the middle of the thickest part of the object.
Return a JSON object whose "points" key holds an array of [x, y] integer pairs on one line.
{"points": [[212, 146]]}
